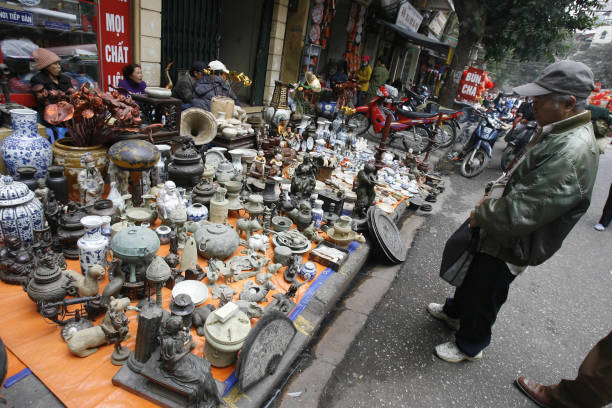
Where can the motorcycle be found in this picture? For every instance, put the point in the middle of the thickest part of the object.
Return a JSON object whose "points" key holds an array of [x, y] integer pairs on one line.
{"points": [[522, 134], [479, 149], [414, 129]]}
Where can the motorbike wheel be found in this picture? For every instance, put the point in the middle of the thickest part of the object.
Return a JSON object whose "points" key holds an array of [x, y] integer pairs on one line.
{"points": [[361, 122], [471, 167], [417, 138], [507, 156], [446, 135]]}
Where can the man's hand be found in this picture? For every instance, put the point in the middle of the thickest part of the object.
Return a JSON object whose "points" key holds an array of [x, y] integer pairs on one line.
{"points": [[473, 213]]}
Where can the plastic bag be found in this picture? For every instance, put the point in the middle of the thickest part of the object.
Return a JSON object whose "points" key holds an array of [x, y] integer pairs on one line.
{"points": [[18, 48]]}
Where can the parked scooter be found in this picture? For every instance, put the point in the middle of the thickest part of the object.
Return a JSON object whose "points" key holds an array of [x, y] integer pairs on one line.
{"points": [[479, 149], [522, 134]]}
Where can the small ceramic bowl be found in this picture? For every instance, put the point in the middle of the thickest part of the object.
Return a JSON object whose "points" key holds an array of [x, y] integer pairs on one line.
{"points": [[163, 232]]}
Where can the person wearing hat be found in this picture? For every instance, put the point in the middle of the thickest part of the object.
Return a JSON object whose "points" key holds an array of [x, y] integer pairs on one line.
{"points": [[526, 214], [364, 74], [50, 75], [185, 85], [213, 85]]}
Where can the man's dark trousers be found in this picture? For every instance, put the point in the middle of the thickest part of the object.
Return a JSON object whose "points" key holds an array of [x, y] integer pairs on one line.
{"points": [[606, 216], [477, 301]]}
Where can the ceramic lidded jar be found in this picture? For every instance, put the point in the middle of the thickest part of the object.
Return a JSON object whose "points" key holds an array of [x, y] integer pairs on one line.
{"points": [[186, 167], [25, 147], [216, 241], [225, 172], [56, 181], [93, 246], [225, 338], [20, 211], [69, 231]]}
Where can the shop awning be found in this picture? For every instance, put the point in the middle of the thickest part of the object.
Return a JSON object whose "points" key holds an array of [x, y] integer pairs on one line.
{"points": [[417, 38]]}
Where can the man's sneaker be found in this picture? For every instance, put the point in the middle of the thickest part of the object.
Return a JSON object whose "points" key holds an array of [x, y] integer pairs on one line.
{"points": [[599, 227], [437, 311], [451, 353]]}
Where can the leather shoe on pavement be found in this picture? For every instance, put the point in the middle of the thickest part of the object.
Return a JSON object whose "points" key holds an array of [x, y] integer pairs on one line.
{"points": [[536, 392]]}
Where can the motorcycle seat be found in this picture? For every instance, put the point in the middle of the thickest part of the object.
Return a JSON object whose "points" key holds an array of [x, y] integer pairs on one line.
{"points": [[447, 111], [414, 115]]}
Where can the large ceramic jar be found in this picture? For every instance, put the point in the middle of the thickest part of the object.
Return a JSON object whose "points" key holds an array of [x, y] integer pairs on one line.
{"points": [[66, 154], [186, 167], [20, 211], [57, 182], [25, 147], [93, 245], [216, 241]]}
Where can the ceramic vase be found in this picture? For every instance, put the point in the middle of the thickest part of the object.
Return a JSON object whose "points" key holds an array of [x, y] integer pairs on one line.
{"points": [[57, 182], [197, 212], [25, 147], [317, 213], [93, 246], [236, 161], [20, 211], [219, 207], [159, 172]]}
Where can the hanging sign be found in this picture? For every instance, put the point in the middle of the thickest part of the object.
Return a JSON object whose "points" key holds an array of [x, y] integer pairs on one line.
{"points": [[471, 85], [16, 16], [114, 40], [408, 17]]}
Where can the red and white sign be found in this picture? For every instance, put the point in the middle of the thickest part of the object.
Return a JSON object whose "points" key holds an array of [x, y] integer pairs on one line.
{"points": [[114, 40], [472, 84]]}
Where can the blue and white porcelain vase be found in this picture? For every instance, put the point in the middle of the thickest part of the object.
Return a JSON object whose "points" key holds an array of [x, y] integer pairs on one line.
{"points": [[25, 147], [197, 212], [317, 213], [93, 246], [20, 211]]}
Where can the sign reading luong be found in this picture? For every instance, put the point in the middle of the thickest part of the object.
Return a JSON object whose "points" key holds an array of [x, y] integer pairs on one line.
{"points": [[114, 40]]}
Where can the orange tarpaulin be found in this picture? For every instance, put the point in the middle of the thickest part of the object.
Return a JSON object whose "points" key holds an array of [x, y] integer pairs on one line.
{"points": [[86, 382]]}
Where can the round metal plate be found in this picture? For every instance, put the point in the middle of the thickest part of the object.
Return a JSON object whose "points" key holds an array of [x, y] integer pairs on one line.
{"points": [[387, 235]]}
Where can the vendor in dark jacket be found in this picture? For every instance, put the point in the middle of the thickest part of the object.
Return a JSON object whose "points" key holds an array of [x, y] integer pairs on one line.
{"points": [[213, 85], [185, 85], [50, 75]]}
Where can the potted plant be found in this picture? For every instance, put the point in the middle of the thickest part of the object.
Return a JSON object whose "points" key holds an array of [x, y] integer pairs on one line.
{"points": [[92, 118]]}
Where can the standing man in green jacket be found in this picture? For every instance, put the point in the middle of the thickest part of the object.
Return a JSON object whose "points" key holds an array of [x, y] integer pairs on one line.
{"points": [[529, 211], [380, 75]]}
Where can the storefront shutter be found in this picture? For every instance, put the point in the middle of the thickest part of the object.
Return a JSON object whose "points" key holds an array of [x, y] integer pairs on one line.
{"points": [[189, 33]]}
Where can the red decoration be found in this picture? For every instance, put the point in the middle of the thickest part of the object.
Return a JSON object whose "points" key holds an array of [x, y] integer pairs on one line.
{"points": [[114, 40]]}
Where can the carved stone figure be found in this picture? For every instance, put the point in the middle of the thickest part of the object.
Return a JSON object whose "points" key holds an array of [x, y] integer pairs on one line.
{"points": [[42, 191], [303, 182], [16, 261], [112, 329]]}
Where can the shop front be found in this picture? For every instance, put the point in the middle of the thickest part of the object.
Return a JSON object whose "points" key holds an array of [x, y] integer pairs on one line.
{"points": [[92, 38]]}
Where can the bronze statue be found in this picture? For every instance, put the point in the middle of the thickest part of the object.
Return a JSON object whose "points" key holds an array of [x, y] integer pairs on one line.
{"points": [[17, 262], [303, 182], [364, 188], [183, 368]]}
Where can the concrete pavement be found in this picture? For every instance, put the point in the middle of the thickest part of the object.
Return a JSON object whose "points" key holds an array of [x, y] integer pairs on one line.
{"points": [[555, 313]]}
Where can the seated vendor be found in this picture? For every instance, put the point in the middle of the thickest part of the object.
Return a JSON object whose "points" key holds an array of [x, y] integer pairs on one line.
{"points": [[213, 85], [184, 88], [50, 76], [132, 82]]}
